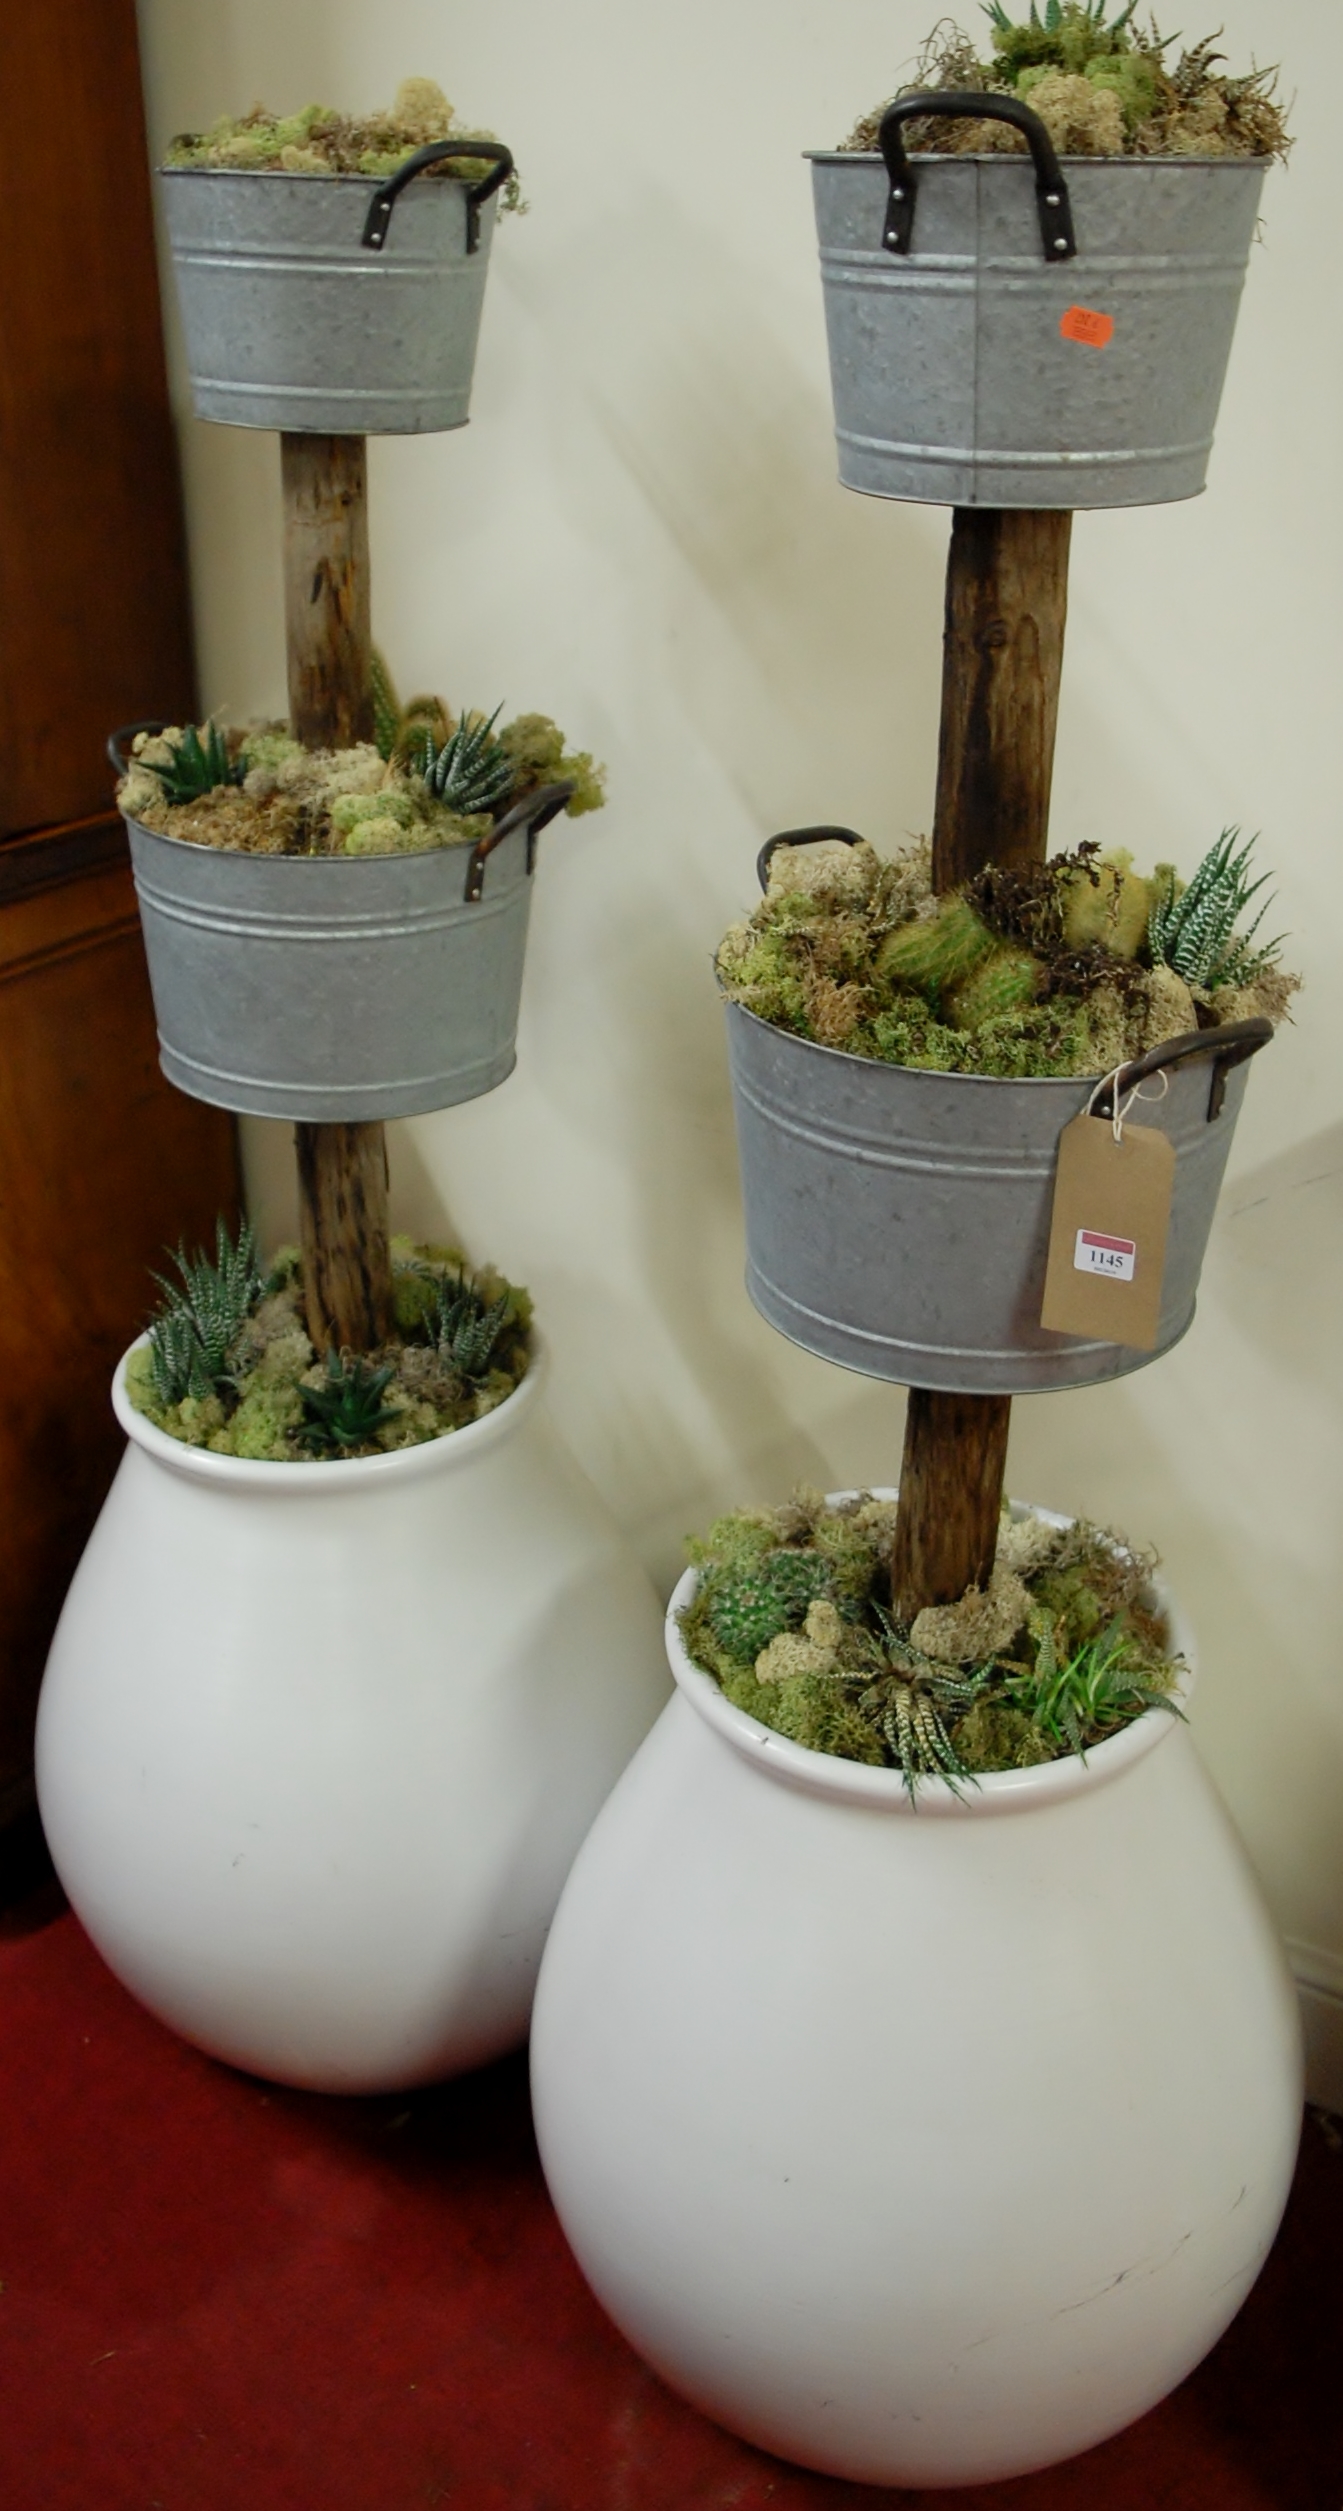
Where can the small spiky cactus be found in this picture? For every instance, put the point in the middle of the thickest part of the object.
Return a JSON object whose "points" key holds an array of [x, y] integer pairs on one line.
{"points": [[1194, 932], [749, 1607], [387, 710], [195, 766], [464, 1326], [472, 771], [348, 1410], [192, 1337]]}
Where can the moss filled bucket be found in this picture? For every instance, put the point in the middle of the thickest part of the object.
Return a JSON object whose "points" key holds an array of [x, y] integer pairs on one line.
{"points": [[899, 1173], [338, 988], [334, 304], [1037, 331]]}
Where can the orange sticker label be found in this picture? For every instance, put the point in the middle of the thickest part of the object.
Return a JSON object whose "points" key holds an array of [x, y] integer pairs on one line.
{"points": [[1082, 322]]}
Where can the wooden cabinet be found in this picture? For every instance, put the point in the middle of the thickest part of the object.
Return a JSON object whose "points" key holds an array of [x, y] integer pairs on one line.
{"points": [[102, 1165]]}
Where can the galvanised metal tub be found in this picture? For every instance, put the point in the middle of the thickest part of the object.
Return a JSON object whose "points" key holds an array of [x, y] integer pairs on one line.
{"points": [[306, 307], [1009, 333], [898, 1221], [338, 989]]}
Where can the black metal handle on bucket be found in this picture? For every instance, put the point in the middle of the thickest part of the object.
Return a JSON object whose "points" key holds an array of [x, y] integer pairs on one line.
{"points": [[1229, 1046], [121, 765], [384, 200], [800, 837], [1051, 192], [534, 812]]}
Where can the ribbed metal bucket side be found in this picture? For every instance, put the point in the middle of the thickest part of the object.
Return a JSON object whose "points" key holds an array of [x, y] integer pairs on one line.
{"points": [[290, 323], [959, 371], [897, 1222], [332, 989]]}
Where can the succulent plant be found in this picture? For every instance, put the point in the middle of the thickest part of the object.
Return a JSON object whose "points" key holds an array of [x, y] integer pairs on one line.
{"points": [[464, 1326], [348, 1410], [195, 766], [1069, 33], [192, 1337], [472, 771], [1193, 930]]}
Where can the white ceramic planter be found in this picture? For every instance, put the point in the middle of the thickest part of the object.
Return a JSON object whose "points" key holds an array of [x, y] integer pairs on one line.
{"points": [[317, 1743], [922, 2147]]}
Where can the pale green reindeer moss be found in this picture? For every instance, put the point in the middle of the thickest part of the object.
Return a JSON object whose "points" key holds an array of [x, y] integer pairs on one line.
{"points": [[1102, 89], [1072, 968], [319, 140], [792, 1617], [431, 779], [228, 1365]]}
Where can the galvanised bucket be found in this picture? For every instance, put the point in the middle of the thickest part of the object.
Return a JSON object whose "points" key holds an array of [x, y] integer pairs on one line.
{"points": [[306, 308], [338, 989], [1008, 333], [898, 1221]]}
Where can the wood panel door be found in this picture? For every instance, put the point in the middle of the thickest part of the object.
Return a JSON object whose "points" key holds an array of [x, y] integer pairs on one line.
{"points": [[103, 1166], [94, 622]]}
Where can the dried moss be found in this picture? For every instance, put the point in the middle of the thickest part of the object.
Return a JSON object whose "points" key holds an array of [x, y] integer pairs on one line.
{"points": [[259, 1410], [1063, 1648], [1101, 91], [319, 140], [344, 802], [1025, 973]]}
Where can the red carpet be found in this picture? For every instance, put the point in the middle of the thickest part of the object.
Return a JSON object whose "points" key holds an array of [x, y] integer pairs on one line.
{"points": [[219, 2297]]}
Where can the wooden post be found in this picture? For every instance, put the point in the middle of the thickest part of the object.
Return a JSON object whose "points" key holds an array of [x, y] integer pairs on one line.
{"points": [[1007, 601], [1002, 655], [324, 482], [342, 1169]]}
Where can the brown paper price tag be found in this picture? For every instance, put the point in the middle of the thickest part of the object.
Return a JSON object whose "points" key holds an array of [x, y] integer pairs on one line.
{"points": [[1107, 1239]]}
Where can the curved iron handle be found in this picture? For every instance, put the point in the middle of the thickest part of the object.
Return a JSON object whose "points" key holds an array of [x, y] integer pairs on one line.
{"points": [[121, 765], [534, 812], [800, 837], [1051, 192], [385, 198], [1228, 1047]]}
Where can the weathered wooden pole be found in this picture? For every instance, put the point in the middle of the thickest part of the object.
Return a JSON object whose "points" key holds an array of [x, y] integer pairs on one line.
{"points": [[1002, 657], [342, 1169]]}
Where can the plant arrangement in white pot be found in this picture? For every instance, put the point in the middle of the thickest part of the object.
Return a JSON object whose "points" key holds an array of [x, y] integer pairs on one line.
{"points": [[350, 1662], [923, 2122]]}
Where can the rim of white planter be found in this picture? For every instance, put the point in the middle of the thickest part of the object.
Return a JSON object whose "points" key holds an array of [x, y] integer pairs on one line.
{"points": [[340, 1473], [856, 1782]]}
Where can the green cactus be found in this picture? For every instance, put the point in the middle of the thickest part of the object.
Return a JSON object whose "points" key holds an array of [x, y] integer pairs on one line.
{"points": [[749, 1607]]}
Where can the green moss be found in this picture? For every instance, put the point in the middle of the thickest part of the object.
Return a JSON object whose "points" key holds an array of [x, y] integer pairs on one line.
{"points": [[263, 1409], [995, 1736], [320, 140], [1063, 1648]]}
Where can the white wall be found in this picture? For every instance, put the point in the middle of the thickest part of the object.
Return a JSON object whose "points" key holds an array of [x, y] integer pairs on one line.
{"points": [[641, 533]]}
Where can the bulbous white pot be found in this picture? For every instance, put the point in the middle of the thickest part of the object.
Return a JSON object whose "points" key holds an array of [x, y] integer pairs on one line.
{"points": [[923, 2147], [317, 1742]]}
